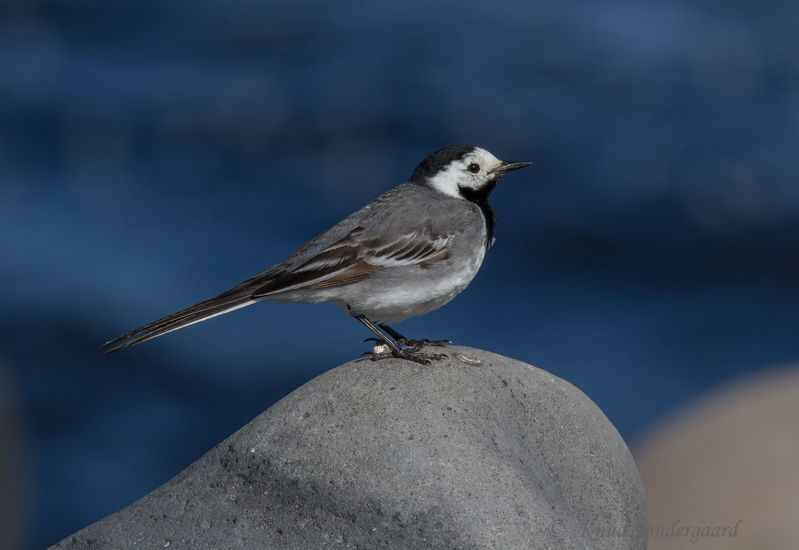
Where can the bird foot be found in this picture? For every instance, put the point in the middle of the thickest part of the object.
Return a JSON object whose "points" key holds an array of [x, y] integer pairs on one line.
{"points": [[382, 351], [419, 344], [411, 345]]}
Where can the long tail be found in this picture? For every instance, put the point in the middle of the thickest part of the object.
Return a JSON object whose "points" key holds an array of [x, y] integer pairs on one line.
{"points": [[234, 298]]}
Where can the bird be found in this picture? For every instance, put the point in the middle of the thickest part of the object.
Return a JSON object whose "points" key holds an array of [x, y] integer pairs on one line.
{"points": [[406, 253]]}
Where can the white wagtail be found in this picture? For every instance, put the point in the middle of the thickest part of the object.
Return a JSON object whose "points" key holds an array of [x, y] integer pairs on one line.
{"points": [[406, 253]]}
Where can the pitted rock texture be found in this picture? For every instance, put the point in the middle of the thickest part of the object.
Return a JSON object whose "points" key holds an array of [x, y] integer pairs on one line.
{"points": [[474, 451]]}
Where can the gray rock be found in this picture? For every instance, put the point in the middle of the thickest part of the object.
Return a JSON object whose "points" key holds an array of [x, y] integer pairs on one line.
{"points": [[394, 454]]}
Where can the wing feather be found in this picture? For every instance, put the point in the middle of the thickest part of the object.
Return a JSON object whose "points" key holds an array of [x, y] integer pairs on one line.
{"points": [[354, 258]]}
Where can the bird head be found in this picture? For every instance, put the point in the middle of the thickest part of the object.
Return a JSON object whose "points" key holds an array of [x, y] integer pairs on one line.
{"points": [[463, 171]]}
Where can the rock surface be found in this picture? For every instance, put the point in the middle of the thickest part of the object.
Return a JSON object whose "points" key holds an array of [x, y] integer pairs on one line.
{"points": [[473, 451]]}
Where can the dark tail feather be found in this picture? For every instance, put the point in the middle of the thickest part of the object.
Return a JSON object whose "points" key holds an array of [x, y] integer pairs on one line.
{"points": [[223, 303]]}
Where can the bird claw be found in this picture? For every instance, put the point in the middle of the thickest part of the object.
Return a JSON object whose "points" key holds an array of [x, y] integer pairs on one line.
{"points": [[423, 358], [383, 352], [438, 343], [415, 344], [419, 344], [405, 348]]}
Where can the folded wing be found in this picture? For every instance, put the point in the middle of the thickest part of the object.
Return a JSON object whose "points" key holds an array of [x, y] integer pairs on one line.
{"points": [[356, 257]]}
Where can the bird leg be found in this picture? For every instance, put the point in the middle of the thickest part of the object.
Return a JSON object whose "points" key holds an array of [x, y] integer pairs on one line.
{"points": [[395, 347], [401, 340]]}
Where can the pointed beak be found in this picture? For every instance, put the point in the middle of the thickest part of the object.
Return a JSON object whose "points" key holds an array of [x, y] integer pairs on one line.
{"points": [[509, 166]]}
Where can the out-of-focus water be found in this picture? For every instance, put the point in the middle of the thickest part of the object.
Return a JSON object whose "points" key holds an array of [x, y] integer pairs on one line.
{"points": [[153, 154]]}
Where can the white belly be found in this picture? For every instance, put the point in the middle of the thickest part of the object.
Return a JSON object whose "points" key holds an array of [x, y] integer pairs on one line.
{"points": [[394, 297]]}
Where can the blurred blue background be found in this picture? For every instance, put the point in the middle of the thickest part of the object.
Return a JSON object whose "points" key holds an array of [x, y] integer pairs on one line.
{"points": [[153, 154]]}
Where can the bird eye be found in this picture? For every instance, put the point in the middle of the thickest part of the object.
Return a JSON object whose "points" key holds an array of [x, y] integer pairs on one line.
{"points": [[473, 168]]}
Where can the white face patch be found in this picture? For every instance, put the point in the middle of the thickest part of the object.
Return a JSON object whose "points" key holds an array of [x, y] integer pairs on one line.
{"points": [[472, 172]]}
